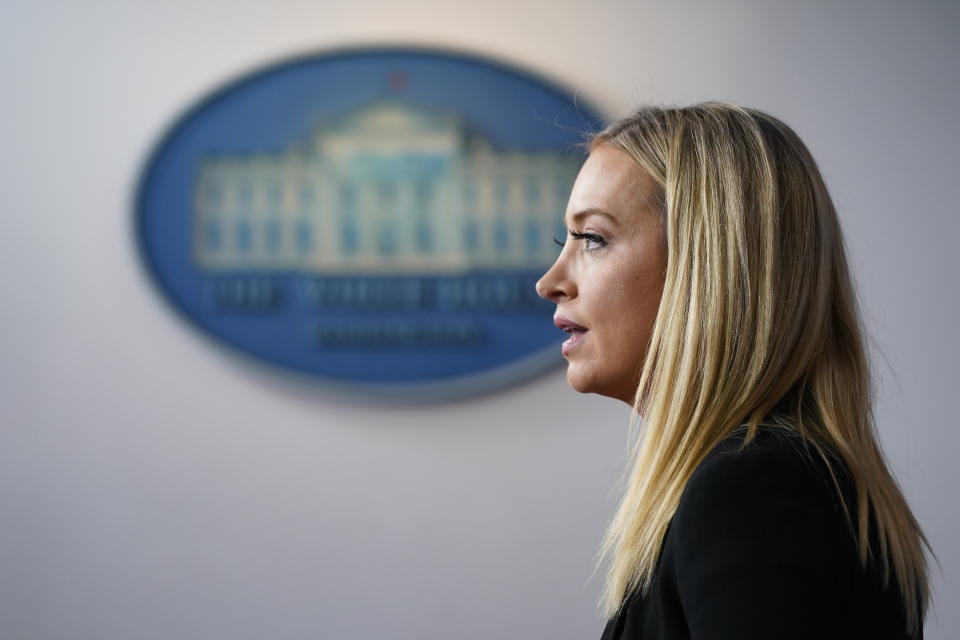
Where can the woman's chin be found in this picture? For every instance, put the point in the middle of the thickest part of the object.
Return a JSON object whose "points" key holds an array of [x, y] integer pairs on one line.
{"points": [[578, 381]]}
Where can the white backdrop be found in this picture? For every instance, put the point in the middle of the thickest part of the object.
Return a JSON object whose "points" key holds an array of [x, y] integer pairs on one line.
{"points": [[153, 486]]}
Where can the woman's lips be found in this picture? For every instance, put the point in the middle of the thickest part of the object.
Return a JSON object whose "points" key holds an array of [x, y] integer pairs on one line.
{"points": [[577, 332], [575, 338]]}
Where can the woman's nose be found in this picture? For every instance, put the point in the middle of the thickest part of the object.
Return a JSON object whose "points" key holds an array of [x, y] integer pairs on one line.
{"points": [[554, 284]]}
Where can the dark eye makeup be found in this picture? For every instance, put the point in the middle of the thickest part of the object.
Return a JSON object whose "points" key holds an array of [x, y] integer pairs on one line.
{"points": [[589, 237]]}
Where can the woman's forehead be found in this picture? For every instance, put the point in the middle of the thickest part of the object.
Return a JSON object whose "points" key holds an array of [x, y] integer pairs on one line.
{"points": [[610, 181]]}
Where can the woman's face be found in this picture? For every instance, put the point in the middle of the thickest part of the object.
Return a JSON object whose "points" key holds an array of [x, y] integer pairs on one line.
{"points": [[609, 275]]}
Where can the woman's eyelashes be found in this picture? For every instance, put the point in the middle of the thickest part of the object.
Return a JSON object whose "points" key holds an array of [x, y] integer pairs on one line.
{"points": [[593, 240]]}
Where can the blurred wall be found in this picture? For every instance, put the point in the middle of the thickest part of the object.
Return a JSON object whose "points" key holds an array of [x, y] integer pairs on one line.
{"points": [[153, 486]]}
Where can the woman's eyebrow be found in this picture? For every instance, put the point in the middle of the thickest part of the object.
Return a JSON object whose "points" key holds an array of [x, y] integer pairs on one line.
{"points": [[586, 213]]}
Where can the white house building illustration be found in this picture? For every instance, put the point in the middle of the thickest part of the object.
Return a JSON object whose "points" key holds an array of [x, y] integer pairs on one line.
{"points": [[387, 189]]}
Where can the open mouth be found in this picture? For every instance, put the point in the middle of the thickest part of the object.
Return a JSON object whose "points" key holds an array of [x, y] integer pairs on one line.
{"points": [[577, 332], [576, 337]]}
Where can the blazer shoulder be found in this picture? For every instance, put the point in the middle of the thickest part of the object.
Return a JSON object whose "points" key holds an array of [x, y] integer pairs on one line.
{"points": [[773, 455], [773, 472], [758, 523]]}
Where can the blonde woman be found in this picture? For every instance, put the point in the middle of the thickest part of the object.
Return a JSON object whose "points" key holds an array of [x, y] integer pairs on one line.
{"points": [[704, 282]]}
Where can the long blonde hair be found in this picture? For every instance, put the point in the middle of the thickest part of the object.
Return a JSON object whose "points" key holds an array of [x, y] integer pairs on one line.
{"points": [[758, 325]]}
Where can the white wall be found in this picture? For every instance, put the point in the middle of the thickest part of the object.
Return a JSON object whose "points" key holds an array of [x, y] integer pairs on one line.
{"points": [[152, 486]]}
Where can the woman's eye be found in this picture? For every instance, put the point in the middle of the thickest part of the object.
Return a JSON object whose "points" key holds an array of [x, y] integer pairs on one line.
{"points": [[593, 241]]}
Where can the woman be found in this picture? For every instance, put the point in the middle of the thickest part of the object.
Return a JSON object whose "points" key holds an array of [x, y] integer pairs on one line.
{"points": [[704, 282]]}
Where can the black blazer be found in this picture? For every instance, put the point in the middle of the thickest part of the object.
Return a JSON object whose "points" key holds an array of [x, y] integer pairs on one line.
{"points": [[759, 548]]}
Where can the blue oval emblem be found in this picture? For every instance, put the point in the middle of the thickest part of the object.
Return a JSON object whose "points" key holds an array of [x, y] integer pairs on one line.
{"points": [[375, 218]]}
